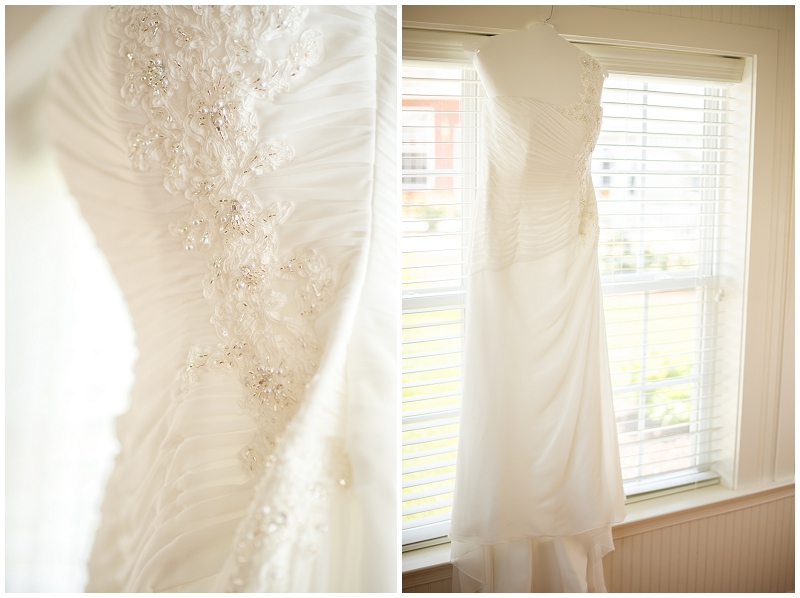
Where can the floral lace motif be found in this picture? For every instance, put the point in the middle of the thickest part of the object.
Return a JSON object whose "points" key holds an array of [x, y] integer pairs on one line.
{"points": [[196, 74], [589, 112]]}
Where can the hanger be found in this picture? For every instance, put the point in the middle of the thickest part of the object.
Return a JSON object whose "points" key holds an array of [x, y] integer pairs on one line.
{"points": [[551, 14]]}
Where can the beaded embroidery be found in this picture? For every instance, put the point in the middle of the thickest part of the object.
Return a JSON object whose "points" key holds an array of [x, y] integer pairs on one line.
{"points": [[588, 111], [196, 74], [313, 472]]}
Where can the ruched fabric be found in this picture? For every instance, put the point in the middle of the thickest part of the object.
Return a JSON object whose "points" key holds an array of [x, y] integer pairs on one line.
{"points": [[180, 504], [529, 170], [538, 482]]}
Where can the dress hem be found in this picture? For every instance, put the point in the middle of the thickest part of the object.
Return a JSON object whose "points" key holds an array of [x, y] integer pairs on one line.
{"points": [[475, 540]]}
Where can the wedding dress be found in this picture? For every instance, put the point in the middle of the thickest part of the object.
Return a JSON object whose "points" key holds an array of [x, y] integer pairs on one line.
{"points": [[237, 167], [538, 480]]}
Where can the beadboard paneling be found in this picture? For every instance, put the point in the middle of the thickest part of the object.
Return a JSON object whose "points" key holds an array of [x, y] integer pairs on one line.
{"points": [[745, 550], [442, 586], [742, 545]]}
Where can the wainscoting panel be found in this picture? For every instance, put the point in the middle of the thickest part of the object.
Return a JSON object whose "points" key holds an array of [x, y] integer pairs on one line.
{"points": [[745, 544], [443, 585], [749, 549]]}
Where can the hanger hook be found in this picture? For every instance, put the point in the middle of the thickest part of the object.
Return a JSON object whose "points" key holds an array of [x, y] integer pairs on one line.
{"points": [[552, 6]]}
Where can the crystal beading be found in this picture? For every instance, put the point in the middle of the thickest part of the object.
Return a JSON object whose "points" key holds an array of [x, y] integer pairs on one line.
{"points": [[196, 75], [588, 111]]}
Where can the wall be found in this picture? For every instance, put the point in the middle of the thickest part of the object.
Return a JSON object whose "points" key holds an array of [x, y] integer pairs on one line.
{"points": [[743, 546]]}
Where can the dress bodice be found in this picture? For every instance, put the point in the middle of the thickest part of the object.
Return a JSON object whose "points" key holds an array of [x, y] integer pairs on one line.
{"points": [[538, 195]]}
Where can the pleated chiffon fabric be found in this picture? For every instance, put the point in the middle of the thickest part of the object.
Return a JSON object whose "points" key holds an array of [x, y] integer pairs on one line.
{"points": [[538, 481], [258, 450]]}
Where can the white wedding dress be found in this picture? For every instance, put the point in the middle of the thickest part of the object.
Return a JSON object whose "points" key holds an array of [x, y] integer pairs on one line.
{"points": [[538, 480], [237, 167]]}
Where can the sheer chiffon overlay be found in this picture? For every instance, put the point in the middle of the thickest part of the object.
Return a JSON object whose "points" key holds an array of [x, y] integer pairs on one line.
{"points": [[237, 167], [538, 480]]}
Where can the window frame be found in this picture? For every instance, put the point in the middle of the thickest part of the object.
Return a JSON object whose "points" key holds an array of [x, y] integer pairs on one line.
{"points": [[760, 450], [753, 175]]}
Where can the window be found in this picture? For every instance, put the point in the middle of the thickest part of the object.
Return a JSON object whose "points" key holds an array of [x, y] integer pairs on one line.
{"points": [[419, 143], [662, 172], [662, 205], [434, 251]]}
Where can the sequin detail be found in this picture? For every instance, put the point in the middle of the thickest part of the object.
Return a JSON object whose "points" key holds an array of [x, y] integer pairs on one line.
{"points": [[196, 75], [588, 111], [317, 470]]}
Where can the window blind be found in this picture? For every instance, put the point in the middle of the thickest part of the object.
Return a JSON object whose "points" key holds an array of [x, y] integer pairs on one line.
{"points": [[444, 47], [662, 178], [662, 175], [439, 179]]}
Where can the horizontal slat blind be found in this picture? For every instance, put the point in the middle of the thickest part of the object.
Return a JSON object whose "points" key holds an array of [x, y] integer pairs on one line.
{"points": [[446, 47], [440, 128], [662, 178]]}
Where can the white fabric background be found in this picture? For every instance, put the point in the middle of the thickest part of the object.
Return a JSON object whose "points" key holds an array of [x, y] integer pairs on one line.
{"points": [[67, 322], [69, 342]]}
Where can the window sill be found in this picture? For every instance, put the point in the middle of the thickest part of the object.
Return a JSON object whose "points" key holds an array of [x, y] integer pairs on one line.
{"points": [[642, 516]]}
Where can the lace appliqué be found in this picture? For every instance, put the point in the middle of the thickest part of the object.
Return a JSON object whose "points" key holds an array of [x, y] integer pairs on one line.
{"points": [[312, 472], [589, 112], [196, 74]]}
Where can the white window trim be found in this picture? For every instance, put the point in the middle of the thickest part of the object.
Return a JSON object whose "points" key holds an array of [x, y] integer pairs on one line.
{"points": [[762, 446]]}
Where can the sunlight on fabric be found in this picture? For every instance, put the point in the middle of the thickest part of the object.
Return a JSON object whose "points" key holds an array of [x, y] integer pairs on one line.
{"points": [[661, 174]]}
